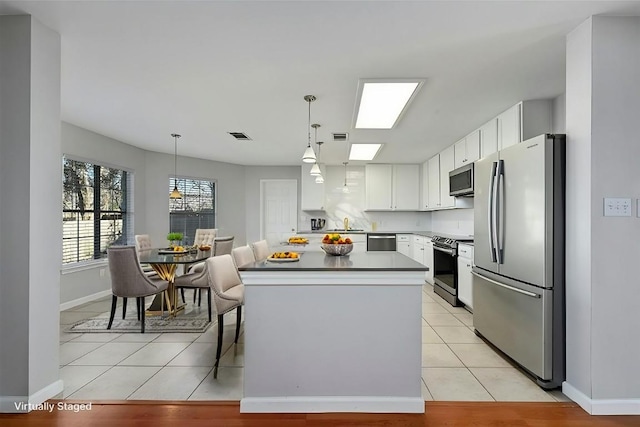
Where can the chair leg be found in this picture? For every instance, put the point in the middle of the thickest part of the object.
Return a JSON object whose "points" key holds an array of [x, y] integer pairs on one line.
{"points": [[114, 300], [199, 296], [219, 348], [195, 293], [238, 319], [209, 302], [138, 310], [124, 307], [182, 293], [141, 302]]}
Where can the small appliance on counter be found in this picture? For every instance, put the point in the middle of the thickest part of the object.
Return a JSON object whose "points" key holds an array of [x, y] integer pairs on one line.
{"points": [[317, 223]]}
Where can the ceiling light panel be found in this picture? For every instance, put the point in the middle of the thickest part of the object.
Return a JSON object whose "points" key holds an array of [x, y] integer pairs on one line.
{"points": [[363, 151], [381, 103]]}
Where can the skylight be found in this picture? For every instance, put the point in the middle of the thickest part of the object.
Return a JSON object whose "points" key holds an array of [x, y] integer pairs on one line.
{"points": [[381, 103], [363, 151]]}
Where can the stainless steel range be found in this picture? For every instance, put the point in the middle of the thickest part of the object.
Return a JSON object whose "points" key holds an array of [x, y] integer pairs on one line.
{"points": [[445, 266]]}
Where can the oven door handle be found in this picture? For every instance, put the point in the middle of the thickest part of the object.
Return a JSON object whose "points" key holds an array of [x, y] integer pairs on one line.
{"points": [[446, 251]]}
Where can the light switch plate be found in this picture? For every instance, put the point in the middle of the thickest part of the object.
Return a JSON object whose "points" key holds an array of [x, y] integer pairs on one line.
{"points": [[617, 206]]}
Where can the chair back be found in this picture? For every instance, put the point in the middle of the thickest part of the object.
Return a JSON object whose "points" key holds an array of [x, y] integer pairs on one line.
{"points": [[143, 242], [127, 277], [222, 245], [225, 282], [205, 236], [243, 255], [260, 250]]}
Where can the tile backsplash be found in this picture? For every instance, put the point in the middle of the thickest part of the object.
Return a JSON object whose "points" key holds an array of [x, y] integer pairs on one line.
{"points": [[340, 205]]}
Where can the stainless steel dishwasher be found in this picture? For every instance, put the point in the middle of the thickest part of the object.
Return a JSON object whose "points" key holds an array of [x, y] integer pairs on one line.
{"points": [[381, 242]]}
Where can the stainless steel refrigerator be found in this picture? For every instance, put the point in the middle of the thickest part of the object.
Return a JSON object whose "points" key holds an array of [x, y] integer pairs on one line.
{"points": [[518, 276]]}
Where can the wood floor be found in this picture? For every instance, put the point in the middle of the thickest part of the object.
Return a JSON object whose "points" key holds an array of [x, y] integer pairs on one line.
{"points": [[227, 414]]}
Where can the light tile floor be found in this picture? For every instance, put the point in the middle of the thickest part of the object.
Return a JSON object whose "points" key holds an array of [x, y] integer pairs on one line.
{"points": [[456, 364]]}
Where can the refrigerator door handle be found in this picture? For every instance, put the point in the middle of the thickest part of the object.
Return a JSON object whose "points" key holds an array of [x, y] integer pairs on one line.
{"points": [[499, 201], [511, 288], [490, 212], [494, 213]]}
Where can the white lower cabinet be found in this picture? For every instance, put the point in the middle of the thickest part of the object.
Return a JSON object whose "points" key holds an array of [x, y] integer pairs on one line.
{"points": [[465, 280], [403, 244], [422, 252]]}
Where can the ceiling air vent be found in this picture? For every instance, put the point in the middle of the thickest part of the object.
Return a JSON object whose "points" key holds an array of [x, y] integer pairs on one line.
{"points": [[340, 136], [240, 136]]}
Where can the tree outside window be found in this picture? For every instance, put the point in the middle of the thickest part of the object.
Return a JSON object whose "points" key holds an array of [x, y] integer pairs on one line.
{"points": [[195, 210]]}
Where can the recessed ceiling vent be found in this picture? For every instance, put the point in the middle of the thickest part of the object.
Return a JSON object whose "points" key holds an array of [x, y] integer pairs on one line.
{"points": [[340, 136], [240, 136]]}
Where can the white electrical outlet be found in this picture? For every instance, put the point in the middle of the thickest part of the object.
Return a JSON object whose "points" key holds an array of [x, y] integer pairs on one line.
{"points": [[102, 272], [617, 206]]}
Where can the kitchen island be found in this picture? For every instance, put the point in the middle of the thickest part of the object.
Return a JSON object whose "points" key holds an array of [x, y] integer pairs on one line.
{"points": [[333, 334]]}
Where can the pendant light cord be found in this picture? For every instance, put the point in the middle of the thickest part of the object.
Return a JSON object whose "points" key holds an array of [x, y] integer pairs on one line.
{"points": [[309, 126]]}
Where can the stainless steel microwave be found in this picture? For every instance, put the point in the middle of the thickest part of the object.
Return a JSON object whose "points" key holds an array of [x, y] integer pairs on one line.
{"points": [[461, 181]]}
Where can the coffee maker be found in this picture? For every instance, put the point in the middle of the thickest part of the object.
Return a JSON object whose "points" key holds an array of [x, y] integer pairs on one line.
{"points": [[317, 223]]}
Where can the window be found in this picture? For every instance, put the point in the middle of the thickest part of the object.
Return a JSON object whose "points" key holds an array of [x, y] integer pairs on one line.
{"points": [[95, 210], [196, 209]]}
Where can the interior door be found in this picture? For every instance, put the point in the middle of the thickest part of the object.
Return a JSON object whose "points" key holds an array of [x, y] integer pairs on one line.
{"points": [[524, 212], [481, 198], [279, 210]]}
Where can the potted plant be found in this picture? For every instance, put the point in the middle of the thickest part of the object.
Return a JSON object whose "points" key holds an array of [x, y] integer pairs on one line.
{"points": [[174, 239]]}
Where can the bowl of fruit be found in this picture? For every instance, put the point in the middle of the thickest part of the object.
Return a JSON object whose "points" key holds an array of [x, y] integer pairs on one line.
{"points": [[334, 244]]}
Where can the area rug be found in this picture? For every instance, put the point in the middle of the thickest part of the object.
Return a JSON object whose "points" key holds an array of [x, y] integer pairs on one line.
{"points": [[152, 324]]}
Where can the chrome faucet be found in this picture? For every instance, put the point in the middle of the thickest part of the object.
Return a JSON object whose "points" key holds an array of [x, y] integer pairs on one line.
{"points": [[345, 223]]}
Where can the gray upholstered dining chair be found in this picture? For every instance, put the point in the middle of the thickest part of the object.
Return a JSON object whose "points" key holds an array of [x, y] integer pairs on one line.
{"points": [[197, 281], [228, 294], [243, 255], [205, 236], [221, 246], [260, 250], [143, 243], [129, 281]]}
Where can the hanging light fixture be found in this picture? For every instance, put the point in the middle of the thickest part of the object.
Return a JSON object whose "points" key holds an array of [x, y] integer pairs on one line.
{"points": [[319, 178], [315, 169], [175, 194], [345, 189], [309, 155]]}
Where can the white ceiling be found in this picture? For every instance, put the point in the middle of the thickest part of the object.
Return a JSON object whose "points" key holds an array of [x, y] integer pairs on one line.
{"points": [[139, 71]]}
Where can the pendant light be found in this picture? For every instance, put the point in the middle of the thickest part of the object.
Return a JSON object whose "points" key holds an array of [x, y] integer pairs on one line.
{"points": [[175, 194], [319, 178], [309, 155], [315, 169], [345, 189]]}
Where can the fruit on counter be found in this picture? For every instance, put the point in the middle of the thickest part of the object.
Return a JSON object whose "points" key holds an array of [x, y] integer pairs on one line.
{"points": [[297, 240], [336, 239], [284, 255]]}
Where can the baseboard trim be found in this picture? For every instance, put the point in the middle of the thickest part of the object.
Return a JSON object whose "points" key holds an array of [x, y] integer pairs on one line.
{"points": [[318, 404], [76, 302], [601, 406], [23, 404]]}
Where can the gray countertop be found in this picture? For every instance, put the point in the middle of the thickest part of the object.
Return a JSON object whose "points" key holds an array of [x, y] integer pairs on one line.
{"points": [[360, 261], [421, 233]]}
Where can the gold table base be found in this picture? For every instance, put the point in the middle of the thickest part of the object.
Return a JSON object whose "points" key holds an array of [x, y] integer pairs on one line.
{"points": [[171, 304]]}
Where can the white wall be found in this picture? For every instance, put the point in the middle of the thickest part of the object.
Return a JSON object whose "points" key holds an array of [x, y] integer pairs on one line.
{"points": [[559, 124], [603, 106], [453, 221], [30, 178]]}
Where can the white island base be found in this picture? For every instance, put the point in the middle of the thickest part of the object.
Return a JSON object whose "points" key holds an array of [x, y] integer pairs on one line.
{"points": [[333, 341]]}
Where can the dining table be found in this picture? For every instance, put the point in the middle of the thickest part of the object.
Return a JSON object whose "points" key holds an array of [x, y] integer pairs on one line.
{"points": [[165, 263]]}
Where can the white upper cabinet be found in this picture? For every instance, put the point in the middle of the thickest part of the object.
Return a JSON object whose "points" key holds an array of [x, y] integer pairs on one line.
{"points": [[312, 193], [406, 187], [392, 187], [524, 120], [424, 200], [446, 165], [489, 138], [509, 127], [378, 186], [434, 181], [467, 150]]}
